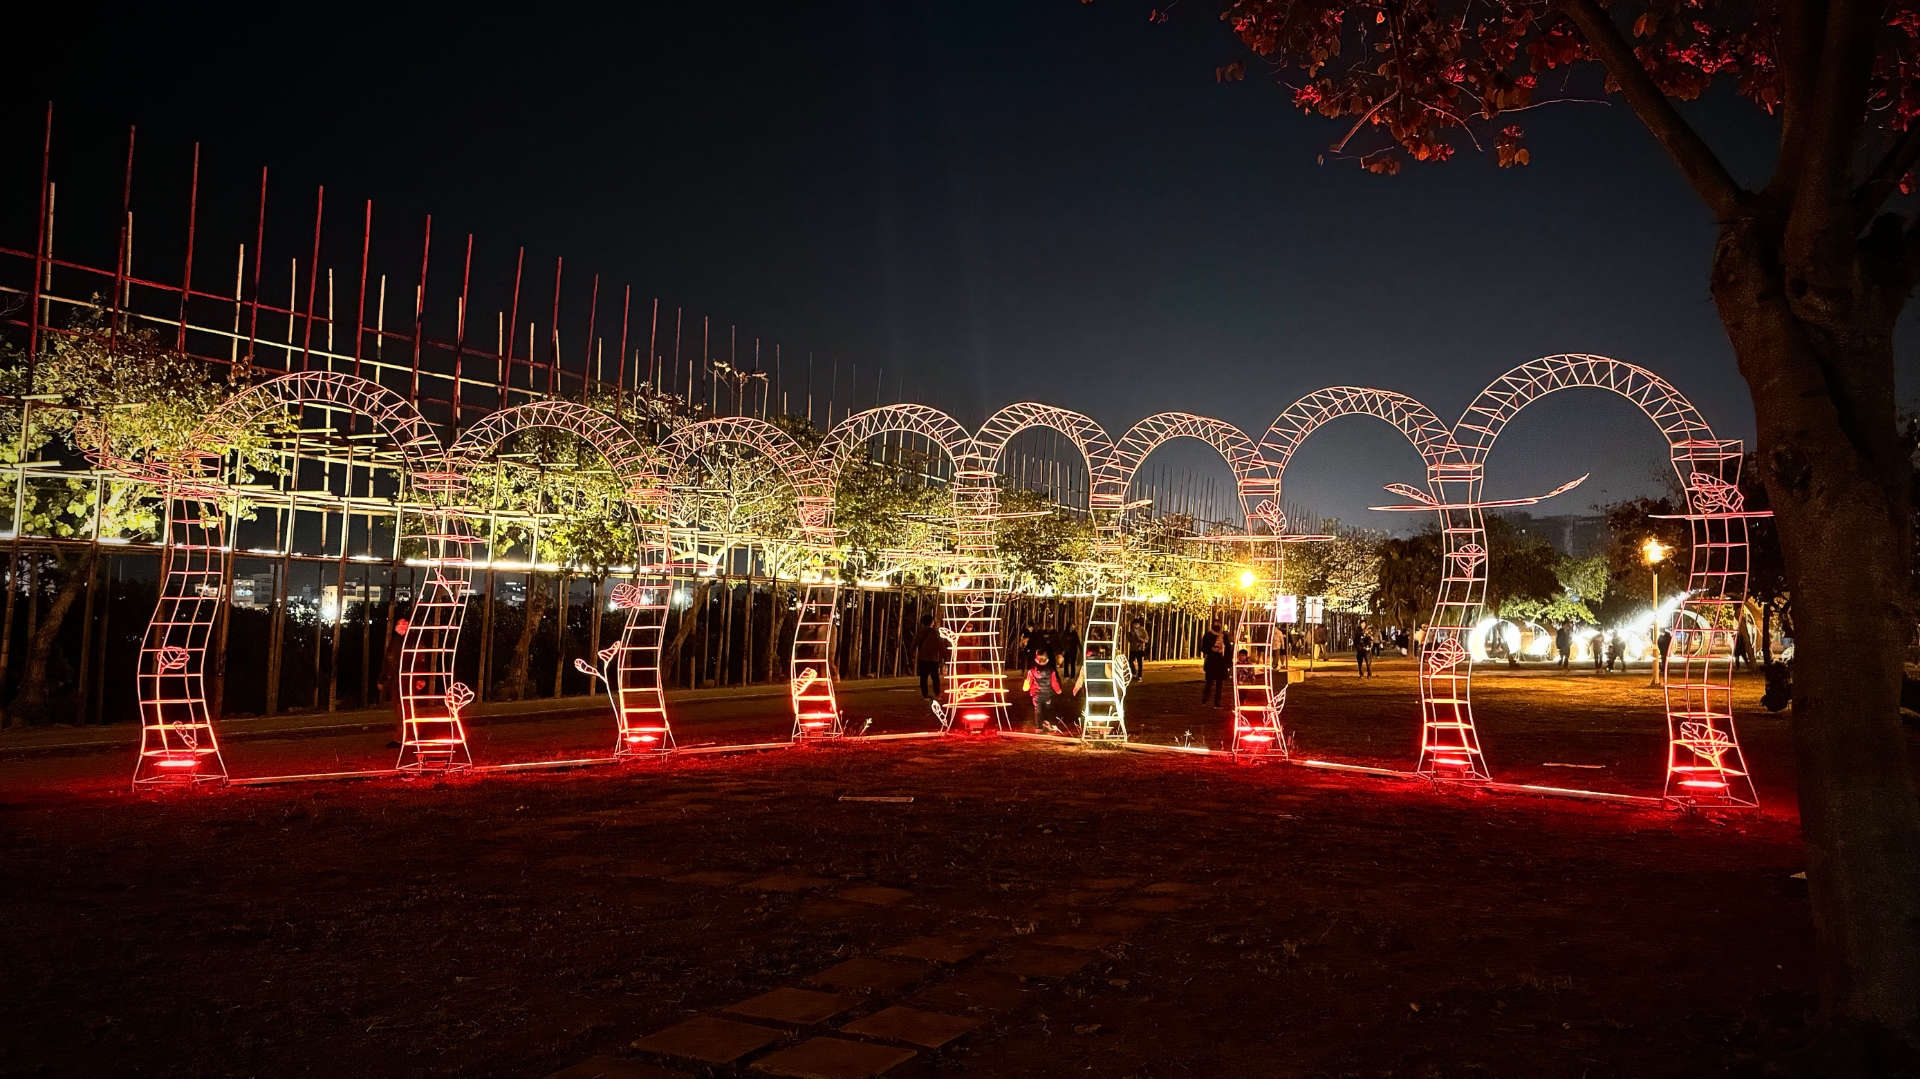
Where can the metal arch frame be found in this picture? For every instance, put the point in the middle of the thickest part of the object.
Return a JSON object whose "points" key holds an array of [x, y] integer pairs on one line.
{"points": [[1705, 765], [1446, 717], [178, 745], [631, 666], [810, 674], [1256, 729], [975, 686], [1104, 719]]}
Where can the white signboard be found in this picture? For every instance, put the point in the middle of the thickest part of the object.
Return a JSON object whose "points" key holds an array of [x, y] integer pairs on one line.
{"points": [[1287, 610]]}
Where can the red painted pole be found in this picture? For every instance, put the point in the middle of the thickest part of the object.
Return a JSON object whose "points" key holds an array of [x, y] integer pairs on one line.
{"points": [[460, 328], [419, 310], [120, 261], [186, 275], [313, 279], [360, 313], [259, 239], [553, 366], [593, 309], [39, 252], [626, 307], [513, 327]]}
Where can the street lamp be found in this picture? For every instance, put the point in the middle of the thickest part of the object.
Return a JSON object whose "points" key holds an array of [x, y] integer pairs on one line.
{"points": [[1247, 578], [1655, 553]]}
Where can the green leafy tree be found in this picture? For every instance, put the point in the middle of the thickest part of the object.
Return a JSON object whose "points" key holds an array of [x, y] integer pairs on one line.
{"points": [[108, 392]]}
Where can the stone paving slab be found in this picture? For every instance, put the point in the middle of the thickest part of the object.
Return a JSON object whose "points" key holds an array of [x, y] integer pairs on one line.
{"points": [[1085, 942], [875, 894], [1038, 962], [1158, 904], [788, 882], [801, 1007], [946, 949], [929, 1030], [709, 1038], [833, 1058], [605, 1067], [718, 878], [979, 990], [872, 974], [817, 907]]}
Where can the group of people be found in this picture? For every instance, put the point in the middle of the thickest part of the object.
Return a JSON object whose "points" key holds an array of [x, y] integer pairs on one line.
{"points": [[1051, 660]]}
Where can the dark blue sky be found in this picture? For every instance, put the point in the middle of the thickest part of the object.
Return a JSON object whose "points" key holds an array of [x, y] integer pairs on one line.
{"points": [[1004, 199]]}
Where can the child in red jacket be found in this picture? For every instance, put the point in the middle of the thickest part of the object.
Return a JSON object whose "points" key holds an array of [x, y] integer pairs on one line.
{"points": [[1043, 685]]}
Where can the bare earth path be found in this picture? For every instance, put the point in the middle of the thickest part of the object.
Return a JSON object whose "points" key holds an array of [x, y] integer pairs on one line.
{"points": [[1034, 910]]}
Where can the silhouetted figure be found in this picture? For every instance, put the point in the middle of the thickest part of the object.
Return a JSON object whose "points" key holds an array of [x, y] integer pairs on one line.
{"points": [[1216, 662], [1363, 650], [1137, 648], [1043, 685], [1563, 643], [930, 652]]}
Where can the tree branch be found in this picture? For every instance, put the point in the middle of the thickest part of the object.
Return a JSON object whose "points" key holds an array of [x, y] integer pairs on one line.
{"points": [[1703, 170], [1884, 180]]}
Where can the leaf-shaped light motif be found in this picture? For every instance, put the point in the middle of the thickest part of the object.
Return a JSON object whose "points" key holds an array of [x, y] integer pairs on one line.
{"points": [[173, 658], [805, 680], [625, 596], [459, 695], [972, 689], [813, 516], [1711, 494], [1469, 557], [1444, 656], [1705, 740], [1408, 491], [949, 636], [581, 665], [606, 654], [1275, 519]]}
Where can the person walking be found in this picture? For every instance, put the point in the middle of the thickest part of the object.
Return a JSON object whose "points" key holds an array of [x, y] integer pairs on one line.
{"points": [[1216, 662], [1597, 645], [1067, 651], [1363, 650], [1030, 642], [1137, 648], [930, 652], [1043, 686], [1614, 662], [1563, 642]]}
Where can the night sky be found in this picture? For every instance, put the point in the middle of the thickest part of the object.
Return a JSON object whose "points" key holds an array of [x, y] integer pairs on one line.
{"points": [[999, 200]]}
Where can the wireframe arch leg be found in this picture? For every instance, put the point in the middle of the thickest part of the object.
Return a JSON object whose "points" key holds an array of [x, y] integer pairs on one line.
{"points": [[1449, 741], [639, 687], [1704, 763], [432, 736], [1105, 662], [816, 710], [177, 742]]}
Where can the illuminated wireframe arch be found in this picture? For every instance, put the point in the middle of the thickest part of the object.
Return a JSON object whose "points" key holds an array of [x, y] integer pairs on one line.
{"points": [[1101, 654], [1429, 436], [1254, 728], [810, 685], [631, 666], [178, 744], [1704, 761], [976, 692]]}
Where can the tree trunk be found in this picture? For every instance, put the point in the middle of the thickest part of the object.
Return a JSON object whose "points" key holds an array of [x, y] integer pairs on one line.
{"points": [[514, 686], [31, 702], [1814, 337], [690, 617]]}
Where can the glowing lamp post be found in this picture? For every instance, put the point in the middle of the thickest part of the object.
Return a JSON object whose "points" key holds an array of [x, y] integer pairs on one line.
{"points": [[1655, 553]]}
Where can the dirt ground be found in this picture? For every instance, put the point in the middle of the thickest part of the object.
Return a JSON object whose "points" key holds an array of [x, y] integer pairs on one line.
{"points": [[1068, 911]]}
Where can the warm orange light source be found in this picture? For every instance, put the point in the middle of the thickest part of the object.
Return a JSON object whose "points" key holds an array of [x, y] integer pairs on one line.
{"points": [[1247, 578], [1654, 551]]}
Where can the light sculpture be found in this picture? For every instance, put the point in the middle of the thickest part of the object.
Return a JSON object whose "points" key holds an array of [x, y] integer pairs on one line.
{"points": [[1447, 723], [1704, 763], [1256, 726], [1705, 767], [1103, 718], [178, 744], [816, 711], [969, 605], [630, 668]]}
